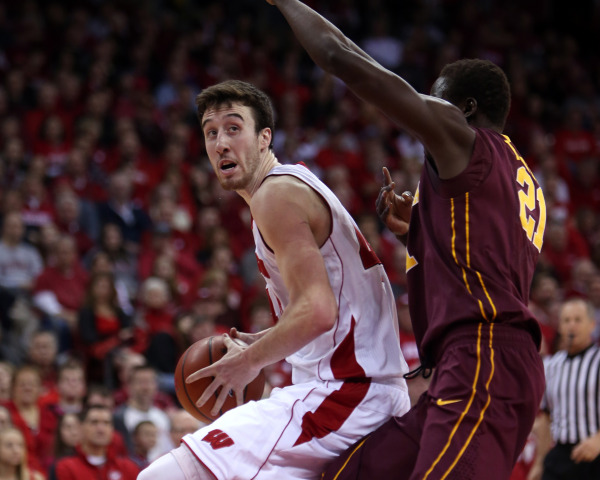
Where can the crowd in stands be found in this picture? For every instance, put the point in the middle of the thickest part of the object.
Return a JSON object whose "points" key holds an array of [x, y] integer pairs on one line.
{"points": [[118, 248]]}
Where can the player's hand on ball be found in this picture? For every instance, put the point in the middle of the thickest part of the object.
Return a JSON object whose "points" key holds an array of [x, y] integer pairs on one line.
{"points": [[394, 210], [230, 375]]}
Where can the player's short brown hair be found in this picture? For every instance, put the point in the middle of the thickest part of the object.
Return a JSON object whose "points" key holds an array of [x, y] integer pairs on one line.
{"points": [[483, 80], [235, 91]]}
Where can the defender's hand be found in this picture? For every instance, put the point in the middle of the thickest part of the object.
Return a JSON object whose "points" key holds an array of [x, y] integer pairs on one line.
{"points": [[394, 210]]}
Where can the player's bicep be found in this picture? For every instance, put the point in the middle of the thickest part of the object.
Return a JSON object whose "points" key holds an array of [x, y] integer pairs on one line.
{"points": [[284, 223]]}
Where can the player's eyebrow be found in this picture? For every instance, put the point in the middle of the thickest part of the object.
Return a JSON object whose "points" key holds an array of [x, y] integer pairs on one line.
{"points": [[204, 122]]}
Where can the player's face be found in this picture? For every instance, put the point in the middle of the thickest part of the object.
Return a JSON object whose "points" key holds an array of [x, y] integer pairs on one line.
{"points": [[232, 145]]}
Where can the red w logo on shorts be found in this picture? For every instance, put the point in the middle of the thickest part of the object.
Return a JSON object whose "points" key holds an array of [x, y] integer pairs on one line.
{"points": [[218, 439]]}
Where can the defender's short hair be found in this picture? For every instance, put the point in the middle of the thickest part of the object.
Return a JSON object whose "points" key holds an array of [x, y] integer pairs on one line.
{"points": [[482, 80]]}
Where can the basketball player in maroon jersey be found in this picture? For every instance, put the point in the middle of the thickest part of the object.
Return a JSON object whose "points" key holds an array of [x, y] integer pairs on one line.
{"points": [[474, 232]]}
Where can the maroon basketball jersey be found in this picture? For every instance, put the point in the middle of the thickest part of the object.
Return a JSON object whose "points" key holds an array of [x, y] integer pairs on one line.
{"points": [[473, 244]]}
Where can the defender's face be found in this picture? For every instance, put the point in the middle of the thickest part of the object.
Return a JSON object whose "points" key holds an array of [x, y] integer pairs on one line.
{"points": [[232, 144]]}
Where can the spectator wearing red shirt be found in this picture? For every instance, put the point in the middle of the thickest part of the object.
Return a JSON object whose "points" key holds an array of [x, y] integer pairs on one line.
{"points": [[585, 184], [76, 174], [67, 398], [52, 144], [563, 246], [573, 142], [164, 244], [131, 157], [37, 207], [93, 458], [25, 411], [47, 105], [59, 291]]}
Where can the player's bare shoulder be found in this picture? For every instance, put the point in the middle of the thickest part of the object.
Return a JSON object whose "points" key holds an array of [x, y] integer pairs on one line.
{"points": [[282, 190], [285, 200]]}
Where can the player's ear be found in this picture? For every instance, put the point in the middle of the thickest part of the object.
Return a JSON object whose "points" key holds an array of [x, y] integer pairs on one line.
{"points": [[469, 107], [265, 137]]}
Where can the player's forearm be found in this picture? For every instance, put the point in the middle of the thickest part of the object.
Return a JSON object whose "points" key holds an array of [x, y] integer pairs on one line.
{"points": [[541, 429], [301, 323], [324, 42]]}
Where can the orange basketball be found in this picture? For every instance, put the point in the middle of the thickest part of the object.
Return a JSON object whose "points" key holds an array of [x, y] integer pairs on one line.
{"points": [[199, 355]]}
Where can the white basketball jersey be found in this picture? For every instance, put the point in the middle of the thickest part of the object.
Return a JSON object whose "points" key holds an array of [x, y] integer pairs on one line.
{"points": [[364, 342]]}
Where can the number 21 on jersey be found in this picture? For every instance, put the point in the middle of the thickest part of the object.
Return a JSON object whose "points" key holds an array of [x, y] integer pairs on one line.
{"points": [[531, 199]]}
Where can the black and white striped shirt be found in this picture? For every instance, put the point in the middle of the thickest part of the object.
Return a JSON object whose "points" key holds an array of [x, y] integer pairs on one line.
{"points": [[572, 394]]}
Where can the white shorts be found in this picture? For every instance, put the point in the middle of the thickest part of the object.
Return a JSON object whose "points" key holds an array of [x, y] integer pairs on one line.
{"points": [[295, 432]]}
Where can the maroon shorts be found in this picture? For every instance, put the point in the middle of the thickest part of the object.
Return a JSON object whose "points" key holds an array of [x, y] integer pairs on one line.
{"points": [[473, 421]]}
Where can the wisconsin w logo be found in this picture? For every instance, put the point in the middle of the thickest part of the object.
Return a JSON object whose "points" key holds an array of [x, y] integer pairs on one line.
{"points": [[218, 439]]}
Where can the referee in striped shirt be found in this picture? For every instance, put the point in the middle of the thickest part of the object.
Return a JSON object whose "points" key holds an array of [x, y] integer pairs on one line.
{"points": [[571, 403]]}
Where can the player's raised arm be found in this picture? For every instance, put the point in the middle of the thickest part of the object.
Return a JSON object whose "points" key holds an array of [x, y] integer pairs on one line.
{"points": [[441, 126]]}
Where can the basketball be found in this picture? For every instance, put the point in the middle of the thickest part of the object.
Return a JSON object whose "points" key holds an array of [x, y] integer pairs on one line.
{"points": [[201, 354]]}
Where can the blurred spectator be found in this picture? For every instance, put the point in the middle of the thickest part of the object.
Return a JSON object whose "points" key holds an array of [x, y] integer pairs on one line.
{"points": [[5, 418], [42, 353], [20, 265], [98, 394], [142, 386], [104, 328], [67, 436], [93, 458], [100, 264], [59, 291], [381, 44], [14, 161], [68, 398], [155, 311], [13, 456], [544, 302], [585, 184], [573, 142], [6, 374], [144, 439], [126, 364], [52, 144], [25, 411], [181, 424], [77, 175], [124, 264], [37, 206], [216, 300], [185, 270], [73, 217], [563, 246], [121, 210], [582, 272]]}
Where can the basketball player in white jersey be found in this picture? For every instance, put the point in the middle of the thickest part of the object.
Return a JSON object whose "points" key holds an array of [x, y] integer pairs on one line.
{"points": [[336, 324]]}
